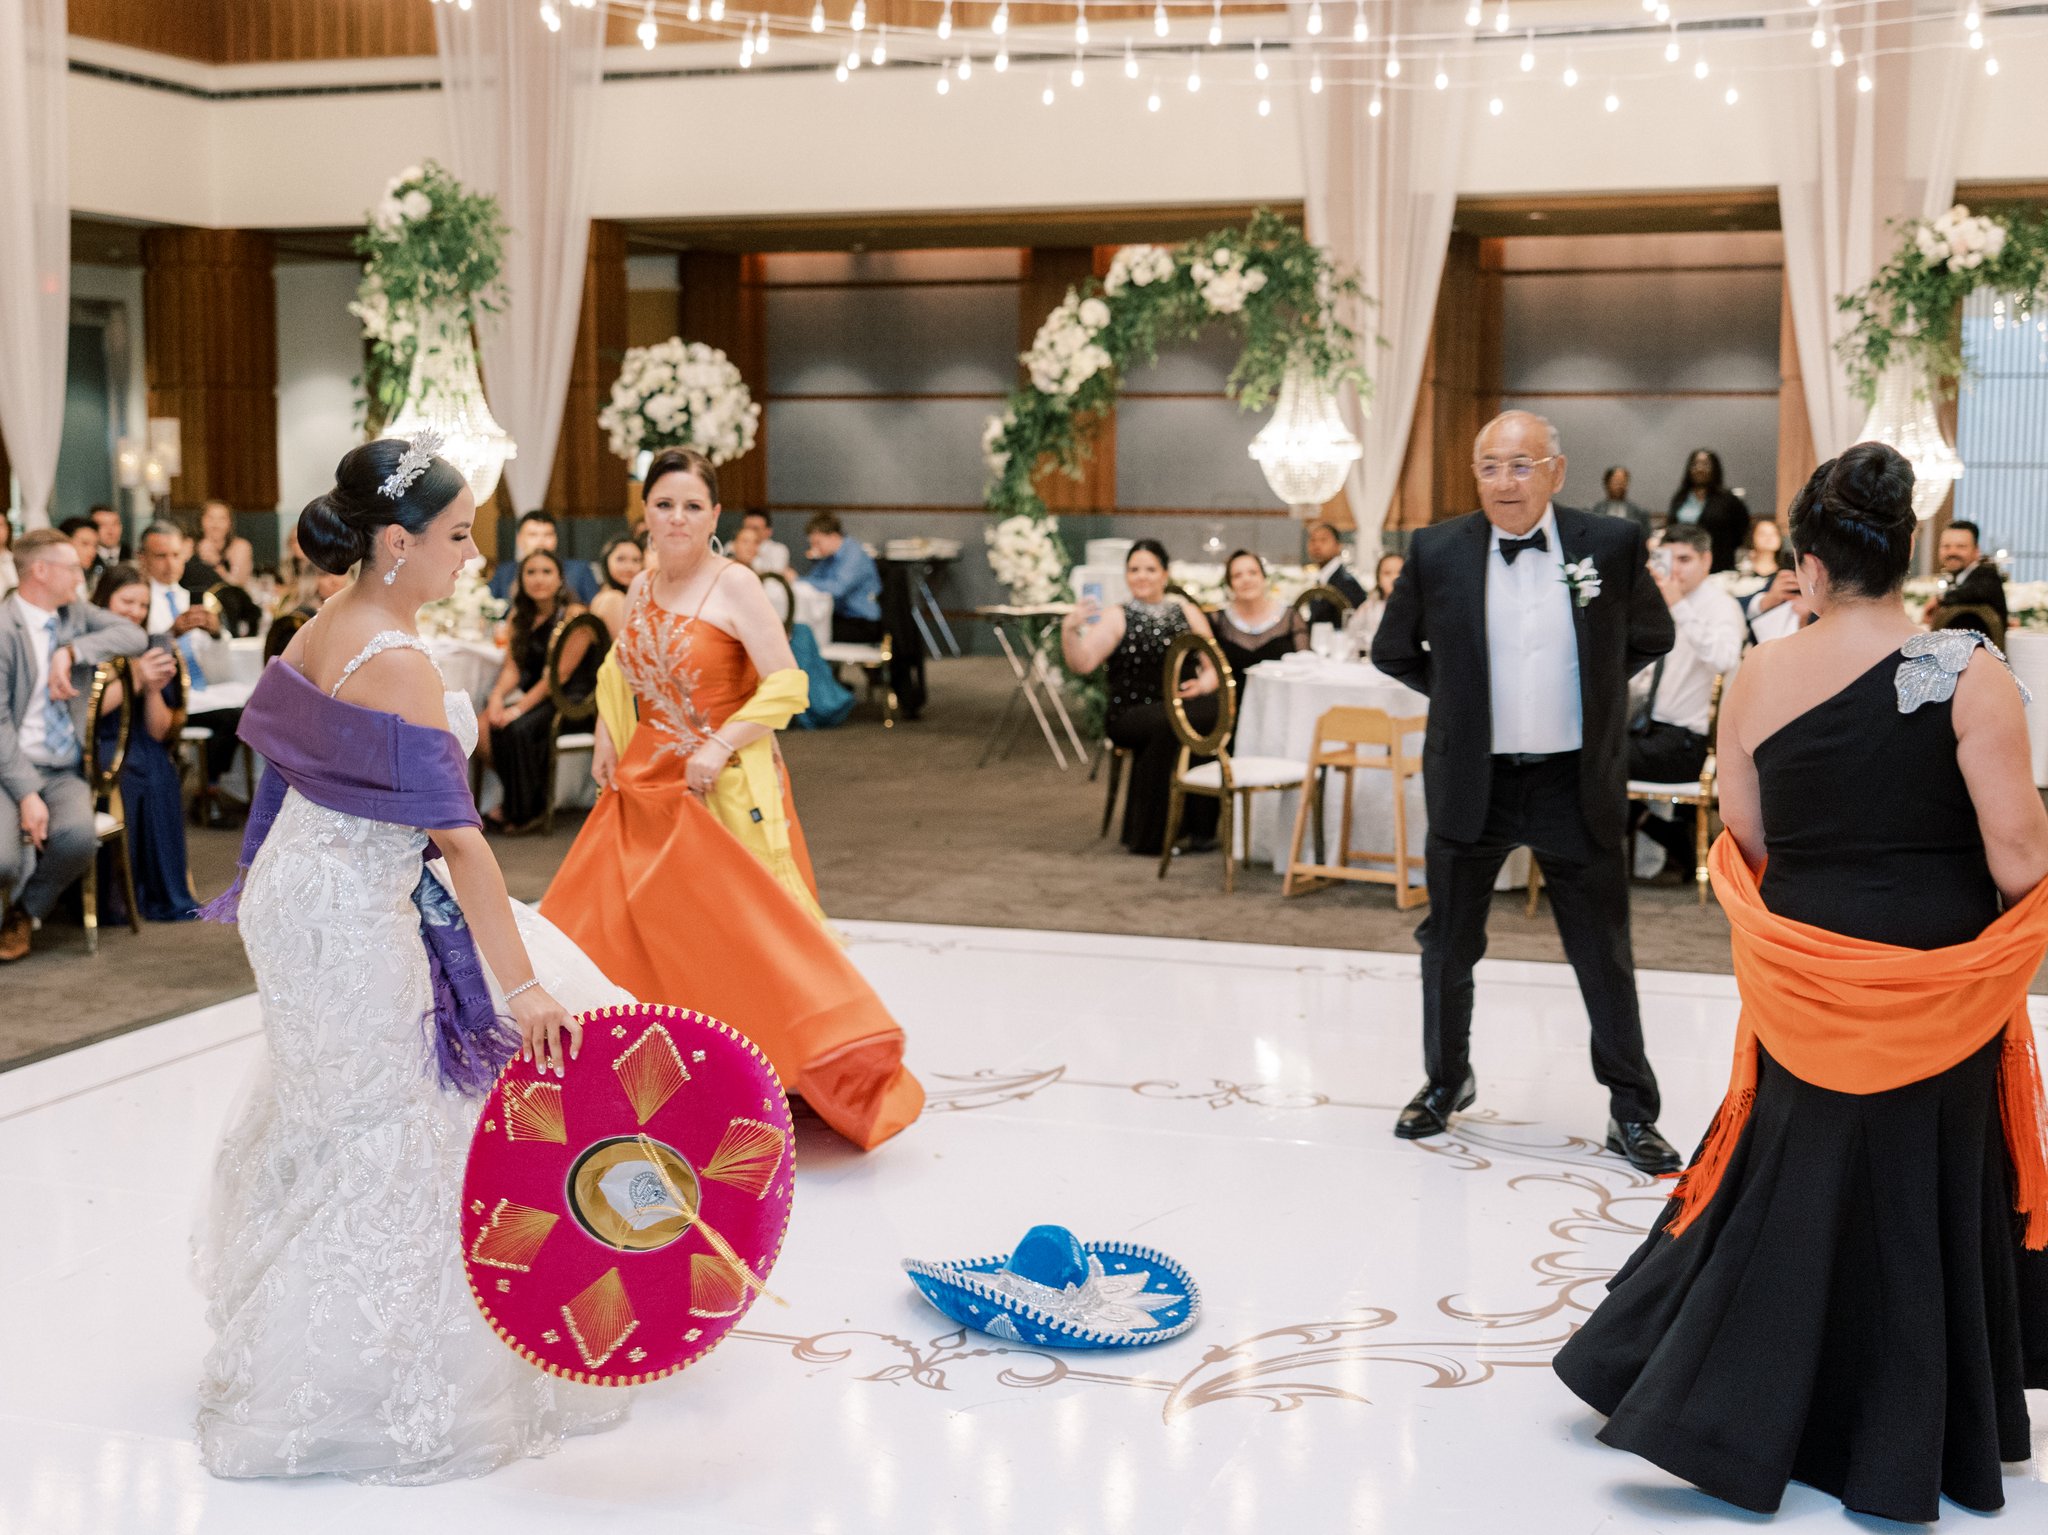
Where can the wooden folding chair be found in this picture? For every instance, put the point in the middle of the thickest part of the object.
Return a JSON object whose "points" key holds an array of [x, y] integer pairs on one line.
{"points": [[1349, 740]]}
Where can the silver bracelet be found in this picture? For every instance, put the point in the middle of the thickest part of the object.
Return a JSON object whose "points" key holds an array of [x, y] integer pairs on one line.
{"points": [[516, 990], [730, 749]]}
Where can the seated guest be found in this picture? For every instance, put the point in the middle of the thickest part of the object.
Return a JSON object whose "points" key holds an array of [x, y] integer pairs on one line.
{"points": [[1778, 609], [539, 530], [85, 538], [224, 563], [1703, 500], [745, 548], [771, 555], [844, 570], [618, 565], [1133, 639], [177, 618], [519, 714], [325, 584], [1326, 552], [113, 538], [1671, 702], [1614, 501], [1254, 625], [7, 577], [1763, 549], [1365, 622], [1968, 580], [151, 796], [50, 642]]}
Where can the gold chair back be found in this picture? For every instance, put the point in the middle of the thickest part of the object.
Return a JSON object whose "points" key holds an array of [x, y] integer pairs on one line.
{"points": [[104, 777], [1314, 594], [1184, 647], [777, 578], [1972, 615], [282, 629], [569, 709]]}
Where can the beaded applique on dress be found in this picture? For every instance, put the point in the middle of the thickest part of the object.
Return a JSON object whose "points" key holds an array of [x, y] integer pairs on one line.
{"points": [[1934, 661]]}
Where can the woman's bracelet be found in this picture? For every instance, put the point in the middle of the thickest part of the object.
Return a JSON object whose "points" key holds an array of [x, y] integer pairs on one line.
{"points": [[730, 749], [525, 986]]}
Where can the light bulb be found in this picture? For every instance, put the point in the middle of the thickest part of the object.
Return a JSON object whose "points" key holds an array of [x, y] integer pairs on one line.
{"points": [[1612, 103], [1662, 14], [1835, 54], [880, 56], [1393, 65], [1500, 17], [817, 15], [1130, 61], [1375, 109], [747, 48], [1976, 39], [648, 32], [1496, 106], [1046, 96], [1315, 18], [1863, 81], [1991, 65], [852, 60], [1359, 30], [1972, 19], [1442, 81], [1194, 73], [1699, 69], [1160, 25], [965, 68], [1079, 77], [1003, 59], [1571, 77], [1315, 78], [718, 10], [1152, 101], [696, 11], [1001, 24], [1819, 38], [552, 20], [1671, 48], [1259, 69], [1472, 14], [761, 36], [945, 85], [839, 74], [1265, 107], [859, 19], [1216, 26], [1529, 51], [946, 21], [1733, 96], [1081, 26]]}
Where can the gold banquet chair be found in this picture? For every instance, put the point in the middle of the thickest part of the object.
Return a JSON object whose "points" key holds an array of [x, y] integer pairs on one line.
{"points": [[573, 728], [103, 779], [771, 581], [1352, 740], [1979, 616], [1310, 595], [1233, 780], [1115, 756]]}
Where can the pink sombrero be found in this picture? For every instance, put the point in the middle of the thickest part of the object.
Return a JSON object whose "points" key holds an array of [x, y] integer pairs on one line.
{"points": [[619, 1220]]}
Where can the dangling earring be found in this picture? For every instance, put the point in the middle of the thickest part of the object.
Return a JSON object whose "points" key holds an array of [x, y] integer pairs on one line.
{"points": [[392, 574], [717, 545]]}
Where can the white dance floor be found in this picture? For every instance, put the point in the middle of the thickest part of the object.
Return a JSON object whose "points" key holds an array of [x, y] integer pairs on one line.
{"points": [[1372, 1356]]}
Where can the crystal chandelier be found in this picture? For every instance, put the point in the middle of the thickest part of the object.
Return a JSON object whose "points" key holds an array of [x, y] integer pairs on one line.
{"points": [[1902, 417], [445, 394], [1306, 450]]}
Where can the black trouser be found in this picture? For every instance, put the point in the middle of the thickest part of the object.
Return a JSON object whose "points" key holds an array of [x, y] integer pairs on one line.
{"points": [[1669, 754], [856, 631], [1147, 733], [1536, 806]]}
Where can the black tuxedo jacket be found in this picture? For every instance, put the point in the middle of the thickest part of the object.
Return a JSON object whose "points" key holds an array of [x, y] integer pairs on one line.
{"points": [[1983, 586], [1344, 582], [1433, 638]]}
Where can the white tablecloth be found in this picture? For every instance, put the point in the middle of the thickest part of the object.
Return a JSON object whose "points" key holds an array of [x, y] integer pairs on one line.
{"points": [[1277, 718], [2028, 652], [471, 666]]}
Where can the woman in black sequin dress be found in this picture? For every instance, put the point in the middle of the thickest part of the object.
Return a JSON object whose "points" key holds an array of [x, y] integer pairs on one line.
{"points": [[1132, 641], [1254, 625]]}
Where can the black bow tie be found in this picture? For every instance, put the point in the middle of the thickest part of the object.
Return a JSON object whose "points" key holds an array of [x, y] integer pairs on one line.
{"points": [[1510, 547]]}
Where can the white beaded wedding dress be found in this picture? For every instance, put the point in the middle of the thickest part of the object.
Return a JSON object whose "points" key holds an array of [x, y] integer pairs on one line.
{"points": [[346, 1340]]}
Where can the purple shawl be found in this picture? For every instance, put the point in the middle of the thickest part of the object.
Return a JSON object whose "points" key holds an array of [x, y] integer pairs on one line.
{"points": [[372, 764]]}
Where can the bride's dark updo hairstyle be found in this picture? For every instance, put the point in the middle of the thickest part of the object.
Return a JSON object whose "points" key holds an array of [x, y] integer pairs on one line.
{"points": [[1855, 515], [336, 530]]}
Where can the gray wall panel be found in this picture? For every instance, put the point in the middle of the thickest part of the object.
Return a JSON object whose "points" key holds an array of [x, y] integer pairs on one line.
{"points": [[877, 452], [1641, 331], [892, 340], [1188, 453], [1652, 437]]}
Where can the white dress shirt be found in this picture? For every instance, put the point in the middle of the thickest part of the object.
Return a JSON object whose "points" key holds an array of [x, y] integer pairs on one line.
{"points": [[32, 729], [1532, 648], [1710, 635], [771, 556], [204, 656]]}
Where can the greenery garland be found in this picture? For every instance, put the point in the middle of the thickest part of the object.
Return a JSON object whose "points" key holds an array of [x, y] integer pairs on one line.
{"points": [[1912, 310], [430, 245], [1268, 281]]}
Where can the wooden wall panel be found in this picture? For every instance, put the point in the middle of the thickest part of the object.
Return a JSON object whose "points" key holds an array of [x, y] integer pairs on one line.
{"points": [[210, 358], [587, 480], [1796, 457], [1460, 387], [1048, 272], [723, 303]]}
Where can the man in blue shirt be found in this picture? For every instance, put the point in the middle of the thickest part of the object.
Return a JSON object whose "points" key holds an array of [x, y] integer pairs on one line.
{"points": [[539, 530], [843, 568]]}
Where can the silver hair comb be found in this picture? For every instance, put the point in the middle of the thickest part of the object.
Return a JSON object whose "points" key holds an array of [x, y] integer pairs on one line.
{"points": [[419, 454]]}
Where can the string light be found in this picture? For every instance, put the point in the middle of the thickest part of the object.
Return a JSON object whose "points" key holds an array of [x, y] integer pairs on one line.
{"points": [[1819, 39], [853, 58], [1733, 96], [648, 33], [1359, 30], [1699, 67], [717, 9], [1315, 18], [1152, 101], [1315, 75], [1265, 105], [1613, 102], [1835, 54], [965, 68], [880, 56], [1079, 77], [1376, 108], [1991, 65], [1571, 73], [1130, 61], [839, 74], [1671, 48], [1473, 16], [859, 19], [944, 85], [1046, 96], [1496, 106], [1081, 24], [1529, 51], [1500, 17], [761, 37], [1259, 69], [1972, 18], [1976, 40], [1001, 25], [1216, 26], [1160, 25], [1194, 72], [1393, 58], [552, 18], [945, 21], [1002, 58], [696, 11], [817, 15], [747, 48], [1662, 14], [1442, 81]]}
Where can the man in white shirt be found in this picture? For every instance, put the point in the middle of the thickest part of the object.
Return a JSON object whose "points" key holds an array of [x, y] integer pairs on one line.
{"points": [[770, 555], [182, 622], [1672, 703], [1524, 622], [50, 641]]}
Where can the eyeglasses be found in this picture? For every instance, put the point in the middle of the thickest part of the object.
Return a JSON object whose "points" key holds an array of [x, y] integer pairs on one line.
{"points": [[1491, 469]]}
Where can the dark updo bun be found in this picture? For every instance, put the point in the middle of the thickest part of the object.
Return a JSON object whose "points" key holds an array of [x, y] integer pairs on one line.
{"points": [[1150, 546], [337, 530], [1855, 515]]}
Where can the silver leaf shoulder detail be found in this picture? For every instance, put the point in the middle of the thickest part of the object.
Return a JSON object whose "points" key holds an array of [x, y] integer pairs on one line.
{"points": [[1934, 661]]}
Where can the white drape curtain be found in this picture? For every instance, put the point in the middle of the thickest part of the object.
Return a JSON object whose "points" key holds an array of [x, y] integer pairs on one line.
{"points": [[1850, 162], [522, 108], [1381, 195], [35, 244]]}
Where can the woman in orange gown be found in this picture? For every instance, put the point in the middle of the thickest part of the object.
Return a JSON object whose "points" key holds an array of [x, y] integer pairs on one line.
{"points": [[689, 883]]}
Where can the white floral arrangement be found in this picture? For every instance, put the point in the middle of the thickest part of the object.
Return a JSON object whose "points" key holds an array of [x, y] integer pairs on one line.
{"points": [[467, 613], [1138, 266], [1960, 241], [1065, 353], [1224, 281], [1026, 556], [2027, 604], [680, 395], [1205, 586], [992, 451]]}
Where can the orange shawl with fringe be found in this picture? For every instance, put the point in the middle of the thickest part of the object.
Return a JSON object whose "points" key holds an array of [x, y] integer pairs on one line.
{"points": [[1859, 1017]]}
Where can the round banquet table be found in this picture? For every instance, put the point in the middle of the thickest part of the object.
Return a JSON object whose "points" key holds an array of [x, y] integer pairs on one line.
{"points": [[1277, 715], [2027, 649]]}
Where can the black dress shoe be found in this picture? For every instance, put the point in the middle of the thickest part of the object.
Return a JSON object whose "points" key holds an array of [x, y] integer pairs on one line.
{"points": [[1646, 1150], [1429, 1111]]}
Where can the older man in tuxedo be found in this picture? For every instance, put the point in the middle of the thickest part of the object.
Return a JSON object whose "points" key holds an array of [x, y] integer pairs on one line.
{"points": [[50, 641], [1524, 622]]}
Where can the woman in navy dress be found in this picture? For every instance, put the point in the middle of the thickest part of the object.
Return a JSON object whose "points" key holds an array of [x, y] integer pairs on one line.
{"points": [[150, 794]]}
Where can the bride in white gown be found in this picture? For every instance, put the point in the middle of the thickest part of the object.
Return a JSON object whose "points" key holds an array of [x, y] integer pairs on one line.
{"points": [[346, 1338]]}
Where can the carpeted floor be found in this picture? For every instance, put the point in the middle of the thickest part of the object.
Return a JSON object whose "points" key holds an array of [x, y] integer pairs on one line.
{"points": [[903, 826]]}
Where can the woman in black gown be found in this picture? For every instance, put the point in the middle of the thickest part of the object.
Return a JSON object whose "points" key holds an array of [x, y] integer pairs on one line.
{"points": [[1131, 640], [518, 712], [151, 799], [1854, 1307], [1253, 625]]}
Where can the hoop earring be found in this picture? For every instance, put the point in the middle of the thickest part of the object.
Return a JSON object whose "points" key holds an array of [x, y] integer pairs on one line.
{"points": [[716, 545], [392, 574]]}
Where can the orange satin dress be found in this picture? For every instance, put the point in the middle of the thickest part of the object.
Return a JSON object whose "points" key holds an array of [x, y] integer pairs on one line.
{"points": [[674, 907]]}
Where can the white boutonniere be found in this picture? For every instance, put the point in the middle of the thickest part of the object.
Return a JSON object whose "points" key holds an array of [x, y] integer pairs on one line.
{"points": [[1583, 578]]}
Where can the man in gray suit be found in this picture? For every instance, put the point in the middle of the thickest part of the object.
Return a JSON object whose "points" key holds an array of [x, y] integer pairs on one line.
{"points": [[50, 641]]}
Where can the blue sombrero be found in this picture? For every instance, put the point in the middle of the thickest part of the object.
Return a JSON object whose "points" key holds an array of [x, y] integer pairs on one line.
{"points": [[1065, 1293]]}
